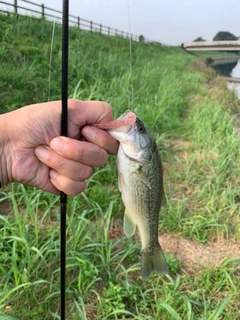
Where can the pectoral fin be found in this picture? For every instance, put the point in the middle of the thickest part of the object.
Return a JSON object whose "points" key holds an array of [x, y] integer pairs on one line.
{"points": [[129, 227], [143, 177], [120, 181]]}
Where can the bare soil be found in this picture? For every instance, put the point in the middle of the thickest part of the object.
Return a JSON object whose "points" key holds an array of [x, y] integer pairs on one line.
{"points": [[198, 256], [193, 255], [5, 208]]}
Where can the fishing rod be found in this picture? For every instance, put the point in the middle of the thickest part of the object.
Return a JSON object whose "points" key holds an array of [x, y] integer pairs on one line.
{"points": [[64, 132]]}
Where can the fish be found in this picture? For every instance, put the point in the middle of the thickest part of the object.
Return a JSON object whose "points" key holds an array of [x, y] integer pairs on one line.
{"points": [[129, 119], [140, 181]]}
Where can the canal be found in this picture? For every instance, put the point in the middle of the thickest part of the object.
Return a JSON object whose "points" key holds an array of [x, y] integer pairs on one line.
{"points": [[229, 69]]}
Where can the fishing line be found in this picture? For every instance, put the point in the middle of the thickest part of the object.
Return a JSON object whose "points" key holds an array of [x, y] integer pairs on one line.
{"points": [[130, 53], [50, 60], [64, 129]]}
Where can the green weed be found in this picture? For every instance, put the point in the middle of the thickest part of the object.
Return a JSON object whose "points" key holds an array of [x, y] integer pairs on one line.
{"points": [[191, 115]]}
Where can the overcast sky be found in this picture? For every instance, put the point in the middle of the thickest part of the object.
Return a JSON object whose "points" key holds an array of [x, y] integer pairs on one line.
{"points": [[168, 21]]}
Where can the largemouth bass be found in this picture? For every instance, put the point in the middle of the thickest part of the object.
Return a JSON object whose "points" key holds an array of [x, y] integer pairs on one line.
{"points": [[140, 180]]}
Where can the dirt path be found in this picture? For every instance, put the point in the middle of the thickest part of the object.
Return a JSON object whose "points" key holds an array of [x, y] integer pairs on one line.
{"points": [[195, 255]]}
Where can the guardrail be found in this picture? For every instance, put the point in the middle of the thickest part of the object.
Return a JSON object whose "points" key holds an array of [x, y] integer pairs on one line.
{"points": [[46, 12]]}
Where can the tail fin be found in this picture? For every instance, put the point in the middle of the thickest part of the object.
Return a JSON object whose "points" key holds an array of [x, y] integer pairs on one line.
{"points": [[153, 261]]}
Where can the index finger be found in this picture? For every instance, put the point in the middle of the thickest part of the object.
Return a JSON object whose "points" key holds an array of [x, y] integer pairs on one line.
{"points": [[82, 113]]}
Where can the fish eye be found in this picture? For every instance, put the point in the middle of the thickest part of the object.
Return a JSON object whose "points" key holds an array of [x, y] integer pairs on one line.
{"points": [[141, 129]]}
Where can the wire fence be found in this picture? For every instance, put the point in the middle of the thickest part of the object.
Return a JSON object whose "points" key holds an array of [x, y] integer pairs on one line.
{"points": [[24, 7]]}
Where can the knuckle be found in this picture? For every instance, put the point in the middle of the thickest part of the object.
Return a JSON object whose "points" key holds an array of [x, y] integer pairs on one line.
{"points": [[59, 165], [85, 172], [79, 152], [80, 187], [73, 102], [89, 172], [107, 108], [102, 157], [68, 186]]}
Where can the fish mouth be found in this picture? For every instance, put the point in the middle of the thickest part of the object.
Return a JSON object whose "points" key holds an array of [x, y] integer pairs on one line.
{"points": [[123, 124], [124, 115], [130, 158], [123, 129]]}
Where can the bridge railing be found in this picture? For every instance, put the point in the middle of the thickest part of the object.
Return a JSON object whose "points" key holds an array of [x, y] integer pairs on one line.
{"points": [[226, 45], [40, 10]]}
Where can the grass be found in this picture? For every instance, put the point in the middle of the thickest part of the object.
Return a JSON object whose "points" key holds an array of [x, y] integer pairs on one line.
{"points": [[191, 114]]}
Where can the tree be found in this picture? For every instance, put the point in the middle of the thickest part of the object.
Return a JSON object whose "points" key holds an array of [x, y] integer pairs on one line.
{"points": [[199, 39], [224, 35]]}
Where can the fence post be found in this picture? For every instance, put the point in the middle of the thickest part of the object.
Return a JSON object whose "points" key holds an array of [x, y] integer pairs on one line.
{"points": [[43, 11], [78, 22], [91, 26], [116, 31], [15, 6], [100, 28], [108, 30]]}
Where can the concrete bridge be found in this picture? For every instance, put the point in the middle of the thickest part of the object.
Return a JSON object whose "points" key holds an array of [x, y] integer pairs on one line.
{"points": [[212, 46]]}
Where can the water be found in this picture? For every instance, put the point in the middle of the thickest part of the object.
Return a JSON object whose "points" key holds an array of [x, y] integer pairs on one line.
{"points": [[236, 70], [230, 69], [227, 68], [234, 86]]}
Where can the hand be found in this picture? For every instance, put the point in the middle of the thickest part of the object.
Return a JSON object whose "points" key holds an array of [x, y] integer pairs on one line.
{"points": [[34, 153]]}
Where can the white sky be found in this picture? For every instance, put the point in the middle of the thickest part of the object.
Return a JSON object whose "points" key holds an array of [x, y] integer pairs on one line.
{"points": [[168, 21]]}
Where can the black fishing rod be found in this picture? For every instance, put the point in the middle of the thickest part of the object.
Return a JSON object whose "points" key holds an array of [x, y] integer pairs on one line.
{"points": [[64, 132]]}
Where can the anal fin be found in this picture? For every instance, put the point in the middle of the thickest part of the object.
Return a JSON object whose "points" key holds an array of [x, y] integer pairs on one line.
{"points": [[129, 227]]}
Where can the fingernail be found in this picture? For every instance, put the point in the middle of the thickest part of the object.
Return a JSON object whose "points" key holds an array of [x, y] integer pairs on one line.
{"points": [[89, 132], [53, 174], [58, 144], [42, 153]]}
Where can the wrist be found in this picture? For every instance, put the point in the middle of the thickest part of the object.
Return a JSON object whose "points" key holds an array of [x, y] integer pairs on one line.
{"points": [[5, 151]]}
